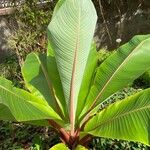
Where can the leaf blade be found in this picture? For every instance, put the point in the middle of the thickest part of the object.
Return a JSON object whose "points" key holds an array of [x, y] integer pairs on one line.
{"points": [[70, 32], [58, 146], [112, 72], [22, 104], [55, 80], [37, 78], [87, 78], [127, 119]]}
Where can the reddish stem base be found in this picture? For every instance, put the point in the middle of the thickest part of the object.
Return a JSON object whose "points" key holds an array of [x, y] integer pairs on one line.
{"points": [[66, 138]]}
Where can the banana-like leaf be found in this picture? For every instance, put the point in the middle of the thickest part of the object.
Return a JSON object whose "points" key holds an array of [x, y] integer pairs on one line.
{"points": [[128, 119], [70, 33], [5, 114], [37, 79], [59, 146], [22, 105], [55, 80], [87, 78], [62, 146], [120, 69], [80, 147]]}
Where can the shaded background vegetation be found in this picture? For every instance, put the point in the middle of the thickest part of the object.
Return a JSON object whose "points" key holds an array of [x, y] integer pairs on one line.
{"points": [[118, 19]]}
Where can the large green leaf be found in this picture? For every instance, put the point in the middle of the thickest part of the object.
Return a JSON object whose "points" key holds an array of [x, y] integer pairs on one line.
{"points": [[22, 105], [87, 78], [62, 146], [121, 68], [55, 79], [37, 79], [70, 33], [80, 147], [59, 146], [128, 119]]}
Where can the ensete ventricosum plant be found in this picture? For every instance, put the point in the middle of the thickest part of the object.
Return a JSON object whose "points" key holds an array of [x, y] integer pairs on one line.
{"points": [[67, 87]]}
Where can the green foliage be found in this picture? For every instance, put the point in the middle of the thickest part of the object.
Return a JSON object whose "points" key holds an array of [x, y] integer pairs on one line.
{"points": [[15, 136], [21, 136], [67, 89], [30, 34], [146, 78], [129, 116], [143, 81], [73, 29], [35, 15], [62, 146], [104, 144], [120, 95], [59, 146], [112, 71], [103, 54], [10, 69]]}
